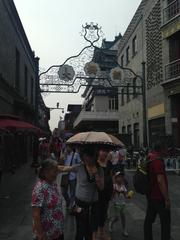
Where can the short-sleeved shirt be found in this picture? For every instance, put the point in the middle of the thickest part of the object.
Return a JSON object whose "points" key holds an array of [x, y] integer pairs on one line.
{"points": [[69, 161], [114, 157], [122, 155], [156, 167], [86, 191], [47, 197], [119, 194]]}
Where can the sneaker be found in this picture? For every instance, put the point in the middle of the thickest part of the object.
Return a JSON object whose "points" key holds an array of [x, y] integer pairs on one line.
{"points": [[125, 234]]}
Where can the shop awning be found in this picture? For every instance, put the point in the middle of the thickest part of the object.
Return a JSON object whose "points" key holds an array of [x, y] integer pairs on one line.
{"points": [[18, 125]]}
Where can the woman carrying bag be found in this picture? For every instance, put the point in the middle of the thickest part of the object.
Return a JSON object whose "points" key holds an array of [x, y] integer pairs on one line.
{"points": [[89, 180]]}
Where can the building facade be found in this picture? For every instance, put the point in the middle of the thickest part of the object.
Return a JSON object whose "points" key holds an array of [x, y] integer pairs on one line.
{"points": [[100, 108], [153, 37], [171, 67], [131, 54], [18, 66], [150, 47], [20, 98]]}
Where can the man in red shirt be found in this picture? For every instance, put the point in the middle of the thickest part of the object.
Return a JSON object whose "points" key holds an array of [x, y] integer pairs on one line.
{"points": [[158, 201]]}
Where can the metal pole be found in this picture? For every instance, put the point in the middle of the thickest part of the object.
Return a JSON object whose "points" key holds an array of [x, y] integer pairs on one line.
{"points": [[37, 91], [144, 106]]}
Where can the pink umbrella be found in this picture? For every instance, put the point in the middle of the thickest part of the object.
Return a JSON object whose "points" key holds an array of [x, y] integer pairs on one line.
{"points": [[95, 138]]}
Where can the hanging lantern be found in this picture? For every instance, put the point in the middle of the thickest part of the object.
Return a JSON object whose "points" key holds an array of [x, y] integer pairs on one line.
{"points": [[116, 74], [91, 69]]}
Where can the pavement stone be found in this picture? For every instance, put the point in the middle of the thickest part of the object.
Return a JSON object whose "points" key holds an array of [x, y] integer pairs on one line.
{"points": [[16, 218], [15, 198]]}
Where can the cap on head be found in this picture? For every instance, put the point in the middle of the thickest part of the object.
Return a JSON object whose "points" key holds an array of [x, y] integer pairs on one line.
{"points": [[119, 174]]}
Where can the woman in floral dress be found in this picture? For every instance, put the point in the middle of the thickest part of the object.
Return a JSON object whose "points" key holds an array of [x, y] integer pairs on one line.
{"points": [[48, 219]]}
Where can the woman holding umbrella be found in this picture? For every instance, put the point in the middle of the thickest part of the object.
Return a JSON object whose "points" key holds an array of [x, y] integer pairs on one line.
{"points": [[89, 180]]}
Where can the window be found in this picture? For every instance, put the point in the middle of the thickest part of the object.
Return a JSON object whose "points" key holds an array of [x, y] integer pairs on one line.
{"points": [[17, 69], [128, 97], [134, 88], [123, 129], [25, 80], [122, 97], [113, 103], [156, 130], [129, 130], [136, 135], [127, 55], [32, 90], [134, 46], [174, 47], [122, 60]]}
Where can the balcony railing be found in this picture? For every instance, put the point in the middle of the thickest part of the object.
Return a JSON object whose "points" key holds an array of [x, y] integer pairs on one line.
{"points": [[172, 70], [97, 116], [171, 11]]}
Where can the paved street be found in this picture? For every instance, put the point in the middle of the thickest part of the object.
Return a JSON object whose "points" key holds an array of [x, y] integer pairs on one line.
{"points": [[15, 217]]}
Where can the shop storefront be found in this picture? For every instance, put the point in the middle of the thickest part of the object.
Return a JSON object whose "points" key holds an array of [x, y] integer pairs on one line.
{"points": [[156, 130]]}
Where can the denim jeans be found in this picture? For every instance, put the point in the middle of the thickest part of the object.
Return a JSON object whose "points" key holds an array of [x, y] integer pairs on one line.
{"points": [[154, 208]]}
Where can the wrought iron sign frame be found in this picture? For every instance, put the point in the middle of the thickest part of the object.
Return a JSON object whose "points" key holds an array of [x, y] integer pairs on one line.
{"points": [[63, 79], [53, 84]]}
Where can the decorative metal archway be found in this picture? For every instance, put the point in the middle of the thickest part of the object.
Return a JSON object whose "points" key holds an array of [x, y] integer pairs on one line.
{"points": [[80, 71]]}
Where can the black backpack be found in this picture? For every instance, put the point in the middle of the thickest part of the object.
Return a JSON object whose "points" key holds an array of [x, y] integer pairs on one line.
{"points": [[141, 180]]}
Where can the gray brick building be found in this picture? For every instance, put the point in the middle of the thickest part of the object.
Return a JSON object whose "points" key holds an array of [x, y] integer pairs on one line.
{"points": [[153, 37]]}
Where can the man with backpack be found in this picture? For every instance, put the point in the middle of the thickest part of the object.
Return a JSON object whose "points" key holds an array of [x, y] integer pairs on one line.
{"points": [[158, 201]]}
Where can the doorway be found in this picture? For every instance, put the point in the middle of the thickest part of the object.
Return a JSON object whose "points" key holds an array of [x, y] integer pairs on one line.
{"points": [[175, 115]]}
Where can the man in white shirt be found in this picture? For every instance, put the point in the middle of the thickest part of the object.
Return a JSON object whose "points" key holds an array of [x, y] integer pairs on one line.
{"points": [[72, 158]]}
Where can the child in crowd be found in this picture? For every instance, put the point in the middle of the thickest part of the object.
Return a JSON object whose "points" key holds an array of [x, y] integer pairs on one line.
{"points": [[117, 207]]}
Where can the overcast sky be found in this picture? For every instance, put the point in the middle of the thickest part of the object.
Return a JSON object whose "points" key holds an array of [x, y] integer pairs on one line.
{"points": [[53, 29]]}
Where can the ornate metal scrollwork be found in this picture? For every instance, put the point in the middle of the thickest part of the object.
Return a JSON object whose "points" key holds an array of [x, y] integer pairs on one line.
{"points": [[51, 78], [70, 76]]}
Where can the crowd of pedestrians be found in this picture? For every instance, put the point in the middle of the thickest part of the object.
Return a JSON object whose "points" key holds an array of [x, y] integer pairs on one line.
{"points": [[95, 190]]}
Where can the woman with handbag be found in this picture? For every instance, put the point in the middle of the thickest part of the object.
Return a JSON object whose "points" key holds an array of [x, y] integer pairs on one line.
{"points": [[89, 180]]}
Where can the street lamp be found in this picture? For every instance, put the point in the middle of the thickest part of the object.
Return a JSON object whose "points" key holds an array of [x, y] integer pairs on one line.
{"points": [[63, 78], [56, 108]]}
